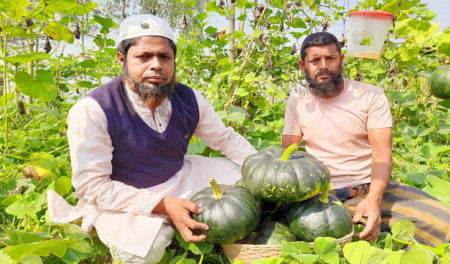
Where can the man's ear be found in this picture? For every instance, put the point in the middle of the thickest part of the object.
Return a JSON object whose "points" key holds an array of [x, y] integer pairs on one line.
{"points": [[301, 64], [121, 58], [342, 58]]}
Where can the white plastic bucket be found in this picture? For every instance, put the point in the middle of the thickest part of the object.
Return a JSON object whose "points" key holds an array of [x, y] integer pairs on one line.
{"points": [[367, 33]]}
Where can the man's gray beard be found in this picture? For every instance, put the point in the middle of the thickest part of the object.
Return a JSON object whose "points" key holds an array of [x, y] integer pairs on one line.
{"points": [[326, 89], [146, 91]]}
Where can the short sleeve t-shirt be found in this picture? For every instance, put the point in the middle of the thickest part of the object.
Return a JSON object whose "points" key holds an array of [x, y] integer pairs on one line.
{"points": [[334, 130]]}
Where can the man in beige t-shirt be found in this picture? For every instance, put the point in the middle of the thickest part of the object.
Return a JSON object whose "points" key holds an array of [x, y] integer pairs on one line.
{"points": [[347, 125]]}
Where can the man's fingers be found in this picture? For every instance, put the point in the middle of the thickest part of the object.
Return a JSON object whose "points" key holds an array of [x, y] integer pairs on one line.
{"points": [[371, 230], [192, 237], [193, 207], [194, 225], [368, 235], [356, 217]]}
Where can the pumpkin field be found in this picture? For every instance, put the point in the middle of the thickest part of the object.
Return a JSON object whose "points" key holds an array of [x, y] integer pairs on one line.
{"points": [[53, 52]]}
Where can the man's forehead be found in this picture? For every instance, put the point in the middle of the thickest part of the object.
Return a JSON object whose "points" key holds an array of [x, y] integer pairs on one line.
{"points": [[321, 49], [152, 44]]}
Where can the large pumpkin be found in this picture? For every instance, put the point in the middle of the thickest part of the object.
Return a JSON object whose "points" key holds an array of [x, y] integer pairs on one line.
{"points": [[313, 218], [440, 82], [274, 175], [231, 212]]}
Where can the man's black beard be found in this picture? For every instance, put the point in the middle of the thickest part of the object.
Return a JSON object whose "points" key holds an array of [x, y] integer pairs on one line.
{"points": [[326, 89], [146, 91]]}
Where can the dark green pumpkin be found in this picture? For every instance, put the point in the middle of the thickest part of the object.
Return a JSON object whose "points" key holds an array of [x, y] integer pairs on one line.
{"points": [[271, 233], [231, 212], [440, 82], [312, 218], [284, 176]]}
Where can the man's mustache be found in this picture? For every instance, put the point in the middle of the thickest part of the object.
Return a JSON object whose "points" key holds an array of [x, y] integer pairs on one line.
{"points": [[324, 72], [154, 74]]}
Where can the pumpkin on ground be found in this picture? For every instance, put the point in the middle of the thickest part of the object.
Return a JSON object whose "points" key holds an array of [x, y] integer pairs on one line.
{"points": [[312, 218], [440, 82], [231, 212], [270, 233], [284, 176]]}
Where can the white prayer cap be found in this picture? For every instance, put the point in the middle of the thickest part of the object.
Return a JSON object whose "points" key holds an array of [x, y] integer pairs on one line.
{"points": [[144, 25]]}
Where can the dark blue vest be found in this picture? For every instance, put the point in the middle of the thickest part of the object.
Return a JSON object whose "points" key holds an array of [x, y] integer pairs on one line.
{"points": [[143, 157]]}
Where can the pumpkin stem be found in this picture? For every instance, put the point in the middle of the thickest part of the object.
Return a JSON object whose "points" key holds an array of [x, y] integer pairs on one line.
{"points": [[215, 188], [324, 197], [288, 151]]}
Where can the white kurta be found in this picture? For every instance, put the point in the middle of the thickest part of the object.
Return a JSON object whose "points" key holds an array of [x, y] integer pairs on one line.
{"points": [[121, 213]]}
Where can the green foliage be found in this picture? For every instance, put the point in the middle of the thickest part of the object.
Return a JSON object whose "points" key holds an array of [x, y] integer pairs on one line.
{"points": [[247, 73], [72, 246]]}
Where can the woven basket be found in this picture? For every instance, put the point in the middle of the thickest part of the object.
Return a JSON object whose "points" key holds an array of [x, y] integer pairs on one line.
{"points": [[249, 252]]}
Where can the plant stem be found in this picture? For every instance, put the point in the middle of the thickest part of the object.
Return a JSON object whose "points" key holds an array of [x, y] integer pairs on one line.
{"points": [[324, 197], [288, 152], [216, 188], [411, 244], [3, 51]]}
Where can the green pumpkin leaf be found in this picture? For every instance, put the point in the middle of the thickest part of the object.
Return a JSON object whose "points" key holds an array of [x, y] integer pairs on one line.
{"points": [[328, 249], [403, 230], [409, 52], [241, 3], [179, 259], [201, 17], [210, 30], [6, 98], [201, 248], [391, 7], [394, 256], [212, 6], [42, 87], [306, 258], [417, 255], [444, 47], [4, 258], [16, 237], [75, 232], [278, 3], [290, 248], [196, 147], [45, 160], [444, 130], [63, 185], [273, 260], [242, 92], [42, 248], [26, 206], [106, 24], [58, 31], [31, 259], [187, 261], [27, 57], [297, 23], [75, 256], [362, 252], [438, 188], [82, 9], [15, 10], [10, 199], [46, 10]]}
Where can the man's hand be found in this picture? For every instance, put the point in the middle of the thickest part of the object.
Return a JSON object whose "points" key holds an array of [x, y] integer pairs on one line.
{"points": [[179, 211], [370, 210]]}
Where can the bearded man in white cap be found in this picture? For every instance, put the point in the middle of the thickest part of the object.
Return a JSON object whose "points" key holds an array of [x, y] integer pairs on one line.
{"points": [[128, 141]]}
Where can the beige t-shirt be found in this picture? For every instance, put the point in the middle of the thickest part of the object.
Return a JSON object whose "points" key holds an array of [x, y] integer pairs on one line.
{"points": [[335, 130]]}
